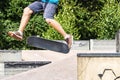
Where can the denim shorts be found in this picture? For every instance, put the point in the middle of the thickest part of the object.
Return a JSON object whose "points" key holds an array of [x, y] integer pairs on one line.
{"points": [[49, 9]]}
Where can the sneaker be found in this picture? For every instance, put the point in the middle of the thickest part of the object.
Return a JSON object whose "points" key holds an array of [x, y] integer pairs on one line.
{"points": [[16, 35], [69, 40]]}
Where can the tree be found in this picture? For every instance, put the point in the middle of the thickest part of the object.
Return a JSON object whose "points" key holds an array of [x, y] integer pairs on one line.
{"points": [[84, 19]]}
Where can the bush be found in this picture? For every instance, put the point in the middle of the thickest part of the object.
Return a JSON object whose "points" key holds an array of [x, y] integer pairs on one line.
{"points": [[10, 17], [84, 19], [67, 19], [97, 19]]}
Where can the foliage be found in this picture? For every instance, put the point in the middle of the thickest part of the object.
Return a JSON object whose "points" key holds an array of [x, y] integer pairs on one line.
{"points": [[67, 19], [84, 19], [10, 17], [98, 19], [109, 19]]}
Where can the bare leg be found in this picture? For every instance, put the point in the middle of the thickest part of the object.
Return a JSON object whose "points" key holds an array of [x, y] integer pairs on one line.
{"points": [[68, 38], [56, 26], [25, 18]]}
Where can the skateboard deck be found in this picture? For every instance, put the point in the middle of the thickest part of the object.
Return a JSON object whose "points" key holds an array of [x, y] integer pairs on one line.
{"points": [[47, 44]]}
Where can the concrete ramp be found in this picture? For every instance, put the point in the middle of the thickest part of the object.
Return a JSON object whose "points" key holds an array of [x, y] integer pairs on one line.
{"points": [[65, 69]]}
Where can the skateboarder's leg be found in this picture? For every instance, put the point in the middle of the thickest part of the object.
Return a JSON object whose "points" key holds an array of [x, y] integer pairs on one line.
{"points": [[25, 18], [49, 12], [56, 26], [35, 7], [32, 8], [68, 38]]}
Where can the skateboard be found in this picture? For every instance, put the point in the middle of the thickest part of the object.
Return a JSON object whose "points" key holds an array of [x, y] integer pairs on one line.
{"points": [[38, 42]]}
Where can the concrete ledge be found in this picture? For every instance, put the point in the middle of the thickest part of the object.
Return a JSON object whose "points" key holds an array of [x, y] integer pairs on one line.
{"points": [[61, 70], [98, 66], [10, 55], [9, 68], [98, 54]]}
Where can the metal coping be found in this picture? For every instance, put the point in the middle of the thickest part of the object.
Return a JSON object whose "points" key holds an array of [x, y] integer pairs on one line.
{"points": [[98, 55]]}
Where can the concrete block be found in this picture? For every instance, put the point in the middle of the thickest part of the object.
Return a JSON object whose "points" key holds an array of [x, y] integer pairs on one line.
{"points": [[10, 68], [10, 55], [98, 66], [117, 37]]}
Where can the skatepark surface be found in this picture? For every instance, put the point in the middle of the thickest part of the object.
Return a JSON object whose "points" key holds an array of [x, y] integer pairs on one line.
{"points": [[63, 66]]}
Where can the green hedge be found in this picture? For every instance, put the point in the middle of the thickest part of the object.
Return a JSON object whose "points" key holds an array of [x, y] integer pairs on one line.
{"points": [[84, 19]]}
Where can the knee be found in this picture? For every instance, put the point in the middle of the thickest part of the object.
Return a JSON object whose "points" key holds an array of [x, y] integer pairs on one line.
{"points": [[48, 20], [27, 11]]}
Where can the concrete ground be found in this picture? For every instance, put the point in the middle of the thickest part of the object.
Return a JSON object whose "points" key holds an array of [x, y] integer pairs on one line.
{"points": [[63, 66]]}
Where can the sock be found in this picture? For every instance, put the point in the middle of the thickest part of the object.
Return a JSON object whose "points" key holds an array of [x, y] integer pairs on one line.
{"points": [[21, 33], [67, 36]]}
